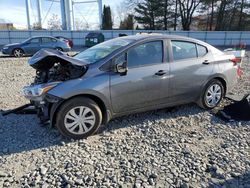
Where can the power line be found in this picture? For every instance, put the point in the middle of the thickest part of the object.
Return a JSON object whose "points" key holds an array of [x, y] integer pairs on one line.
{"points": [[33, 11], [82, 15], [47, 13]]}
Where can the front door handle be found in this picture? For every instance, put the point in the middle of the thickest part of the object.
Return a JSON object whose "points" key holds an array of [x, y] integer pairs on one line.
{"points": [[206, 62], [160, 73]]}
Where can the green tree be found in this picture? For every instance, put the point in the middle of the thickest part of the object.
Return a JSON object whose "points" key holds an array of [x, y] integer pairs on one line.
{"points": [[107, 22], [147, 14], [166, 13], [127, 23], [155, 14]]}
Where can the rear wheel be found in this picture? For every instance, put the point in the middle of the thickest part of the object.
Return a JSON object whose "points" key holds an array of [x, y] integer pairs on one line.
{"points": [[212, 95], [18, 52], [78, 118]]}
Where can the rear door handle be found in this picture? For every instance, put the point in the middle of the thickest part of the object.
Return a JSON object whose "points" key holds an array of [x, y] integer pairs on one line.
{"points": [[160, 73], [206, 62]]}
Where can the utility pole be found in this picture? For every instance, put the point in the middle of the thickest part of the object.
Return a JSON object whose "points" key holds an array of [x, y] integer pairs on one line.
{"points": [[63, 15], [39, 13], [28, 13], [100, 13]]}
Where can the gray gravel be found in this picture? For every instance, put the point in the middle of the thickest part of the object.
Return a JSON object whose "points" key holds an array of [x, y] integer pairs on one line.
{"points": [[184, 147]]}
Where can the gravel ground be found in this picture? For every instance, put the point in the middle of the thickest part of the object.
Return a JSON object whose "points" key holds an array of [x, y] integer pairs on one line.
{"points": [[184, 147]]}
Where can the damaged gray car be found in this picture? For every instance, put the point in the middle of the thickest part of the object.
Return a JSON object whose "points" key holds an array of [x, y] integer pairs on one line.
{"points": [[126, 75]]}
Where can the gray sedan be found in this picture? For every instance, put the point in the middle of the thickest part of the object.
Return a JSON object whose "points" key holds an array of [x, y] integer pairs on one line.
{"points": [[34, 44], [127, 75]]}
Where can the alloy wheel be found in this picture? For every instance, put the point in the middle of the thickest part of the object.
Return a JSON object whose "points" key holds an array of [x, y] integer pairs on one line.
{"points": [[18, 53]]}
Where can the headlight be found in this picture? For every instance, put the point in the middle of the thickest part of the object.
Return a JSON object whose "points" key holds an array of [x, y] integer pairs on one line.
{"points": [[38, 91], [5, 48]]}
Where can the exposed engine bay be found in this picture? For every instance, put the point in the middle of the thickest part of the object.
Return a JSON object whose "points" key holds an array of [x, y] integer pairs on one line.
{"points": [[52, 68], [52, 65], [59, 72]]}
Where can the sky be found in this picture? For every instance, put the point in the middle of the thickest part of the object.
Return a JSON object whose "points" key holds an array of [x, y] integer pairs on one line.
{"points": [[14, 11]]}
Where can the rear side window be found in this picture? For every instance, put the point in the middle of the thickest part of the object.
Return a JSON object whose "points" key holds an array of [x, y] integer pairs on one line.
{"points": [[46, 40], [202, 50], [183, 50], [145, 54]]}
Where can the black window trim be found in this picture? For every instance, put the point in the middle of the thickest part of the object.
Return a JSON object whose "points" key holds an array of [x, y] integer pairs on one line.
{"points": [[39, 41], [185, 58], [46, 38], [171, 55], [198, 51]]}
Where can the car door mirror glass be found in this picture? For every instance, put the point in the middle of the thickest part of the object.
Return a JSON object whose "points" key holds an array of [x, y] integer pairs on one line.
{"points": [[120, 63], [122, 68]]}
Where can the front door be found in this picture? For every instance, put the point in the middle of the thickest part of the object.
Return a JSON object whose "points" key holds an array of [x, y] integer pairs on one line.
{"points": [[146, 82], [32, 46]]}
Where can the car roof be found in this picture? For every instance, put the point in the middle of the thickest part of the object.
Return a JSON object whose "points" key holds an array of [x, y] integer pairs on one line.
{"points": [[139, 37], [153, 36], [42, 37]]}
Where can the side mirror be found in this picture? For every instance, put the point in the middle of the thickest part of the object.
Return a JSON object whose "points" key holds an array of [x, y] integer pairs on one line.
{"points": [[122, 68]]}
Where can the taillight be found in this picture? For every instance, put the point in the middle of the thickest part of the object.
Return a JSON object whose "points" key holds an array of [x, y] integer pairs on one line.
{"points": [[68, 43], [235, 60], [239, 72]]}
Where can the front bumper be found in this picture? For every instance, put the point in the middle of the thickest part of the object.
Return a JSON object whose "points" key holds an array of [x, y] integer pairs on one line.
{"points": [[5, 51], [44, 107]]}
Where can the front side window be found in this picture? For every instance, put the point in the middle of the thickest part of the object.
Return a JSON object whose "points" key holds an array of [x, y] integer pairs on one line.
{"points": [[35, 40], [183, 50], [145, 54]]}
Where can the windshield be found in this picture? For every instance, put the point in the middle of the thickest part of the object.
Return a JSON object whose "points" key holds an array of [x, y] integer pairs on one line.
{"points": [[102, 50]]}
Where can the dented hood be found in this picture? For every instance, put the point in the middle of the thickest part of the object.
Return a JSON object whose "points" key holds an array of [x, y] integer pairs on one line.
{"points": [[46, 58]]}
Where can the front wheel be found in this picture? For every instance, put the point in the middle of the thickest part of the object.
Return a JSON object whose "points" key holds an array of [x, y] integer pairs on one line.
{"points": [[18, 52], [79, 118], [212, 95]]}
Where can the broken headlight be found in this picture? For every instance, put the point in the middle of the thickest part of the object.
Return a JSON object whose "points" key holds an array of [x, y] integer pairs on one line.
{"points": [[36, 92]]}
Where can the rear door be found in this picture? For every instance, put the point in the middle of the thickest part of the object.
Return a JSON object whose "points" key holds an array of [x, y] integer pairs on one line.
{"points": [[190, 67], [48, 42], [147, 80]]}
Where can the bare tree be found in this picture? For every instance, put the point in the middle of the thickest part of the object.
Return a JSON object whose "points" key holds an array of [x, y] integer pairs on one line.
{"points": [[54, 23], [187, 9]]}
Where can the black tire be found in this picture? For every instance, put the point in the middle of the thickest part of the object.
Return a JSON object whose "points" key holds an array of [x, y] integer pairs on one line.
{"points": [[59, 49], [73, 104], [203, 102], [18, 52]]}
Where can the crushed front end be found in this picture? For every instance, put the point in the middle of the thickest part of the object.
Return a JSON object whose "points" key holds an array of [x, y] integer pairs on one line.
{"points": [[52, 68]]}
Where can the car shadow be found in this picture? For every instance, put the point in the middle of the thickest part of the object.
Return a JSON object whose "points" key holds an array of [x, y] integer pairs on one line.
{"points": [[237, 180], [19, 133], [153, 116]]}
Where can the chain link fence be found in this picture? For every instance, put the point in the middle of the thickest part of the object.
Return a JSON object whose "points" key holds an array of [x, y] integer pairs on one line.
{"points": [[216, 38]]}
